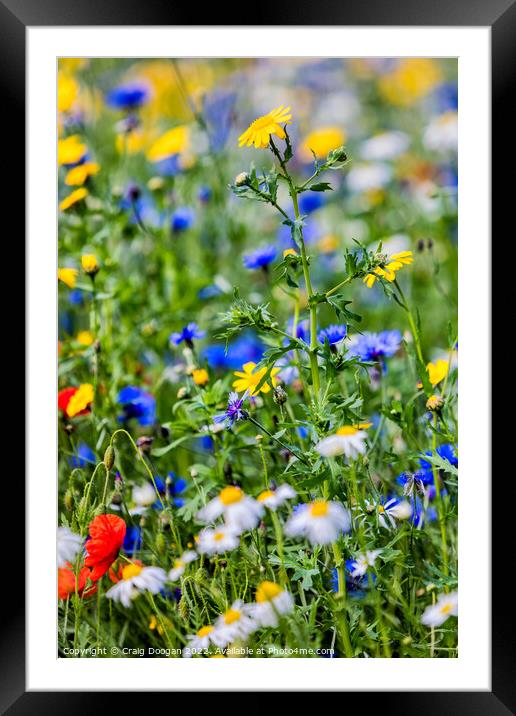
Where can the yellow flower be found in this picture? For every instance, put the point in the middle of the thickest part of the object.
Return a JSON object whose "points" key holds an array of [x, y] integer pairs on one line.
{"points": [[80, 399], [437, 371], [388, 272], [70, 150], [248, 380], [411, 80], [289, 252], [73, 198], [259, 131], [90, 264], [67, 276], [200, 376], [67, 91], [131, 142], [328, 244], [175, 141], [85, 338], [78, 175], [321, 142]]}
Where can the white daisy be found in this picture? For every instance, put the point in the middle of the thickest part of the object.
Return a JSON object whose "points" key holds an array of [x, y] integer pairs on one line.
{"points": [[272, 602], [348, 441], [240, 511], [387, 145], [201, 641], [275, 498], [180, 565], [436, 614], [442, 133], [137, 579], [390, 511], [144, 495], [321, 522], [360, 565], [68, 546], [235, 623], [218, 540]]}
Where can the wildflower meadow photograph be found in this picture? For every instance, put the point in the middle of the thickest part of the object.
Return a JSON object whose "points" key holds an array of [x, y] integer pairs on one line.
{"points": [[257, 358]]}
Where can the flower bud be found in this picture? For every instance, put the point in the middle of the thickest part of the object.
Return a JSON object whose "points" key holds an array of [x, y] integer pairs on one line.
{"points": [[435, 403], [279, 395], [109, 457], [242, 179], [68, 500], [90, 264]]}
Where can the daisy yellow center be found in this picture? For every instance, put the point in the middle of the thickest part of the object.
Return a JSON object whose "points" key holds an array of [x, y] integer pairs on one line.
{"points": [[230, 495], [131, 570], [446, 608], [319, 508], [232, 615], [381, 509], [204, 631], [347, 430], [218, 536], [265, 495], [178, 563], [267, 591]]}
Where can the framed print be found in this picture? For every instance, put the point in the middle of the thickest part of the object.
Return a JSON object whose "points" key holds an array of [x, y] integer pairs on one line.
{"points": [[245, 422]]}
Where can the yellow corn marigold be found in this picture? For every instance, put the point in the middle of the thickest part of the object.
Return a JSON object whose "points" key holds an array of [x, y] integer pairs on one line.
{"points": [[249, 379], [259, 132]]}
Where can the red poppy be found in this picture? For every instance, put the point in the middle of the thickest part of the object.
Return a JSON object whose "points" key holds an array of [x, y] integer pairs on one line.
{"points": [[66, 582], [107, 534]]}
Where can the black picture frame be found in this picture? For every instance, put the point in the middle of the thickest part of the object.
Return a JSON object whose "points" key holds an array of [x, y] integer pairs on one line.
{"points": [[500, 16]]}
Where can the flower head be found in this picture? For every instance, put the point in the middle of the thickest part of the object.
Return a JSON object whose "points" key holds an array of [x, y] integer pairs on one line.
{"points": [[68, 276], [90, 264], [73, 198], [68, 583], [187, 334], [138, 404], [200, 376], [276, 498], [235, 623], [348, 440], [333, 334], [321, 522], [361, 564], [71, 150], [390, 510], [68, 546], [259, 132], [106, 536], [218, 540], [79, 174], [249, 378], [376, 346], [389, 269], [240, 511], [260, 258], [172, 143], [182, 219], [180, 564], [128, 97], [135, 578], [437, 371], [436, 614], [75, 401], [321, 142], [272, 602], [234, 411]]}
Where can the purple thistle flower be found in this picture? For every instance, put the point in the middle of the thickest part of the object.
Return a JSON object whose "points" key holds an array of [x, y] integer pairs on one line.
{"points": [[187, 334]]}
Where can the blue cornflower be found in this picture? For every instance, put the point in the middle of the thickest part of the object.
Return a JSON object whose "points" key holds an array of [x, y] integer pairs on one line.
{"points": [[333, 334], [420, 514], [446, 452], [311, 201], [84, 456], [204, 194], [182, 219], [376, 346], [248, 348], [138, 404], [133, 539], [209, 292], [260, 258], [187, 334], [170, 166], [302, 331], [173, 486], [76, 297], [355, 586], [234, 410], [127, 97]]}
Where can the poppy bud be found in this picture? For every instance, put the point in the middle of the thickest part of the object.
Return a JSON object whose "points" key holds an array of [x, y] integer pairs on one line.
{"points": [[68, 500], [109, 457]]}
